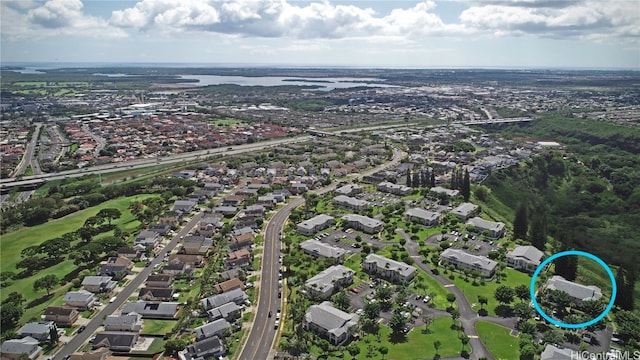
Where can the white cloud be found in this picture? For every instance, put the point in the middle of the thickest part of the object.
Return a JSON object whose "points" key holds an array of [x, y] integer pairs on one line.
{"points": [[571, 19], [54, 17]]}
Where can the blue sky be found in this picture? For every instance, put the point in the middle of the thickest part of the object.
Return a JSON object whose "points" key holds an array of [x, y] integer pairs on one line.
{"points": [[426, 34]]}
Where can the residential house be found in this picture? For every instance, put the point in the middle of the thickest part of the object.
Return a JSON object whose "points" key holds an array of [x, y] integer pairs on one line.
{"points": [[204, 349], [156, 294], [395, 189], [79, 299], [116, 341], [226, 210], [159, 280], [162, 229], [152, 310], [192, 261], [204, 194], [422, 216], [229, 311], [349, 190], [215, 328], [16, 348], [436, 190], [315, 224], [256, 210], [463, 260], [61, 315], [551, 352], [363, 223], [172, 218], [230, 274], [116, 267], [39, 330], [577, 292], [196, 245], [129, 253], [229, 285], [176, 268], [239, 258], [317, 248], [99, 354], [241, 241], [525, 258], [351, 202], [131, 322], [184, 206], [328, 281], [147, 238], [330, 323], [493, 229], [99, 284], [394, 271], [465, 210], [236, 295]]}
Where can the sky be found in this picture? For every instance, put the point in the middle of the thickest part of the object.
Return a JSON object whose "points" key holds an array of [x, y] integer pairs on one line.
{"points": [[367, 33]]}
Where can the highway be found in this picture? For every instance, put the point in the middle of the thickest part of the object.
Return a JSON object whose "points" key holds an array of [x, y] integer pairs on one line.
{"points": [[124, 295], [28, 158], [262, 334]]}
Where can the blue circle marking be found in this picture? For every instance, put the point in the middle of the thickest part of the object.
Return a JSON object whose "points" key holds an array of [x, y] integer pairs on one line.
{"points": [[614, 289]]}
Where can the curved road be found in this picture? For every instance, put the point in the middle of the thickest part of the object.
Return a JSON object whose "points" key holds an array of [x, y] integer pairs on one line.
{"points": [[124, 295]]}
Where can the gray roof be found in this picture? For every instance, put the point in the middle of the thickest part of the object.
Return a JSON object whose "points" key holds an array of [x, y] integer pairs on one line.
{"points": [[350, 200], [553, 353], [527, 253], [364, 220], [440, 189], [235, 295], [322, 249], [206, 346], [144, 234], [423, 214], [315, 221], [128, 319], [403, 269], [347, 189], [476, 261], [464, 209], [19, 346], [35, 327], [332, 320], [145, 308], [325, 279], [116, 338], [82, 295], [96, 280], [483, 224], [224, 310], [575, 290], [213, 328]]}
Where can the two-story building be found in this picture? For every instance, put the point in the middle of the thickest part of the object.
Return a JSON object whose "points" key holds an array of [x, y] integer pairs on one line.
{"points": [[394, 271]]}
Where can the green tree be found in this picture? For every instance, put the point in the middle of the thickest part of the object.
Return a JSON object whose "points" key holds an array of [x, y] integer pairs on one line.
{"points": [[172, 346], [47, 282], [341, 300], [353, 350], [383, 350], [552, 337], [372, 311], [504, 294], [397, 323], [483, 301], [324, 345], [437, 344], [109, 214], [539, 228], [14, 298], [451, 298], [6, 277], [521, 221], [427, 320], [10, 315], [522, 292], [522, 310], [527, 327], [465, 190]]}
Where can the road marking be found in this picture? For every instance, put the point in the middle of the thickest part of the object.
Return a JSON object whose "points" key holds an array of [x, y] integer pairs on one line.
{"points": [[450, 285], [473, 337]]}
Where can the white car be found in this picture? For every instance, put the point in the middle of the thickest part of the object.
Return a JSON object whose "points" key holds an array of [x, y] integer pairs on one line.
{"points": [[426, 299]]}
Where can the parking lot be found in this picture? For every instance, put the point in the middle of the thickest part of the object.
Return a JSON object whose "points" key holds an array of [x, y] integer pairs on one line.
{"points": [[476, 246]]}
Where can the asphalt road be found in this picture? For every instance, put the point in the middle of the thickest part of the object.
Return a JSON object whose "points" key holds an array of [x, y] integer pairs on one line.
{"points": [[124, 295], [263, 331], [28, 156]]}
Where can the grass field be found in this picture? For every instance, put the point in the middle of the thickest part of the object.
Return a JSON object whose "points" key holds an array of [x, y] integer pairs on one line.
{"points": [[418, 345], [471, 292], [498, 341], [157, 327]]}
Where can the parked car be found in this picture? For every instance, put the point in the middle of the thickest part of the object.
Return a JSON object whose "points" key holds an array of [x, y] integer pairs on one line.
{"points": [[81, 329]]}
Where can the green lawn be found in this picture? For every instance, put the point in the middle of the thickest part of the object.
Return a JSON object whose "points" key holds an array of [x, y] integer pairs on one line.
{"points": [[424, 284], [471, 292], [157, 327], [418, 345], [498, 341], [156, 346]]}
